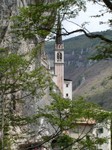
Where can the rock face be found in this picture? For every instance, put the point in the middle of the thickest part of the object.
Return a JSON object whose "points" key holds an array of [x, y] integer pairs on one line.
{"points": [[9, 8], [12, 43], [9, 40]]}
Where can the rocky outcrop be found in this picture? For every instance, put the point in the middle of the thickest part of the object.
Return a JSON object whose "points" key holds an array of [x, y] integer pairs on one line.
{"points": [[9, 8], [9, 41]]}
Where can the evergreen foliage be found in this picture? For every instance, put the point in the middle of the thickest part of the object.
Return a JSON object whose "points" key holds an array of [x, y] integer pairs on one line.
{"points": [[18, 82]]}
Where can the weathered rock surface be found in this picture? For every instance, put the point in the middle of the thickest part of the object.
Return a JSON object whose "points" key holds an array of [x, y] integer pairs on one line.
{"points": [[9, 40]]}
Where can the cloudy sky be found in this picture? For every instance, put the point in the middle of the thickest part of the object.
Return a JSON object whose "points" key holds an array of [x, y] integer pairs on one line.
{"points": [[86, 16]]}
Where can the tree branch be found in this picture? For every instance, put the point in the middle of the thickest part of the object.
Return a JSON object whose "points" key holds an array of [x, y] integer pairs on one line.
{"points": [[108, 3], [90, 35]]}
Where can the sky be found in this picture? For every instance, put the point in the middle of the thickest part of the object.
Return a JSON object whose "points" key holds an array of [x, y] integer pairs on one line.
{"points": [[86, 16]]}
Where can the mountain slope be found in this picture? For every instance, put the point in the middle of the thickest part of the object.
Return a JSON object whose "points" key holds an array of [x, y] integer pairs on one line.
{"points": [[97, 86]]}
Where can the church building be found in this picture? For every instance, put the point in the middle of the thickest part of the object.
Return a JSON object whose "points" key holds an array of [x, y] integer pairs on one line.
{"points": [[64, 85]]}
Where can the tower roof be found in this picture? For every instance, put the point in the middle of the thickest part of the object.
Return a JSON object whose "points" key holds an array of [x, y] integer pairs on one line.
{"points": [[58, 32]]}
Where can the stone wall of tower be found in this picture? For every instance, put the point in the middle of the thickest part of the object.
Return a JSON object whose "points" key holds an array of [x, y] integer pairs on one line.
{"points": [[59, 72], [59, 66]]}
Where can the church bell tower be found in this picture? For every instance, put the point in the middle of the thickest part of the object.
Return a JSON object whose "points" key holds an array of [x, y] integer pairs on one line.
{"points": [[59, 58]]}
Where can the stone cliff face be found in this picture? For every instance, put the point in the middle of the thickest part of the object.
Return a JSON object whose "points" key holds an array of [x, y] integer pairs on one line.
{"points": [[9, 40], [9, 8], [12, 43]]}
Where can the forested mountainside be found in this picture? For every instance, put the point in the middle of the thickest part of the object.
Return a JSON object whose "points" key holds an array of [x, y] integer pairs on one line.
{"points": [[91, 79]]}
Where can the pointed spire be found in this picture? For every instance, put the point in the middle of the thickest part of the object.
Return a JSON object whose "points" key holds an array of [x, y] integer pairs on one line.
{"points": [[58, 34]]}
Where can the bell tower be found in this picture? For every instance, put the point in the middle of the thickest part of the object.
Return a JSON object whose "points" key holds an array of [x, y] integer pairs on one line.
{"points": [[59, 58]]}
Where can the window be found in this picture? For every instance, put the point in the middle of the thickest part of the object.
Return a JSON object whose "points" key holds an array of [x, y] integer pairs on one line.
{"points": [[100, 130], [66, 94], [59, 56], [66, 85]]}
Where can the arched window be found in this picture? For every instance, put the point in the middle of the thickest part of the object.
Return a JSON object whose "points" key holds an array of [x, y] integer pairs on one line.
{"points": [[59, 56]]}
